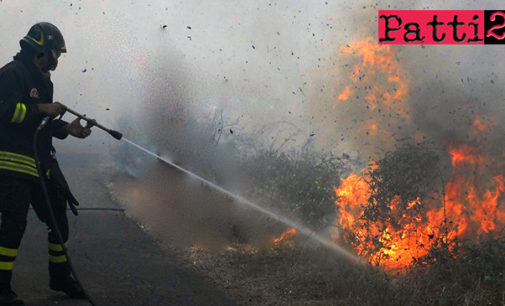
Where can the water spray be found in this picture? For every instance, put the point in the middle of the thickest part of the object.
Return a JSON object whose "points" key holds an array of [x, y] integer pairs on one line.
{"points": [[300, 227]]}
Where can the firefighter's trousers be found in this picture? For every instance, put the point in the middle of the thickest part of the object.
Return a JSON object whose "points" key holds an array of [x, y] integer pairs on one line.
{"points": [[16, 195]]}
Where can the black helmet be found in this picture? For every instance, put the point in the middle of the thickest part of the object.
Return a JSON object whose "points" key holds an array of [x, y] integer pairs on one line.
{"points": [[42, 38]]}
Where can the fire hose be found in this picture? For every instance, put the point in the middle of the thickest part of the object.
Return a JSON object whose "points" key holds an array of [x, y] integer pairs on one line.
{"points": [[45, 121]]}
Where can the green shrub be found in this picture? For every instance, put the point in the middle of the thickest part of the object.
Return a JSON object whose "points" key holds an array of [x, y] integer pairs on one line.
{"points": [[297, 183]]}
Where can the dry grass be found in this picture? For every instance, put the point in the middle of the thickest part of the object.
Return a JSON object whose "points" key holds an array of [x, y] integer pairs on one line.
{"points": [[287, 275]]}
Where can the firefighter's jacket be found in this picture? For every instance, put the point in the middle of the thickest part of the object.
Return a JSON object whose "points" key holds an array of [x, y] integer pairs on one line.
{"points": [[22, 86]]}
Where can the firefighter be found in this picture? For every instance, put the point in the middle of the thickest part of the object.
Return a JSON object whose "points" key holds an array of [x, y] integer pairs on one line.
{"points": [[26, 97]]}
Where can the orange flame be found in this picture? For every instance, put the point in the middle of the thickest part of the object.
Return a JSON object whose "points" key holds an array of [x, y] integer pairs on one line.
{"points": [[470, 204], [467, 209], [466, 154], [287, 233], [378, 65], [479, 126], [345, 94]]}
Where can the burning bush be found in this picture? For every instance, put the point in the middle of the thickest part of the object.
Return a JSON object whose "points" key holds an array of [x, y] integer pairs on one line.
{"points": [[381, 214], [408, 176], [400, 213]]}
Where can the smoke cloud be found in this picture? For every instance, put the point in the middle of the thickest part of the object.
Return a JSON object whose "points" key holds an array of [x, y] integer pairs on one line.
{"points": [[186, 79]]}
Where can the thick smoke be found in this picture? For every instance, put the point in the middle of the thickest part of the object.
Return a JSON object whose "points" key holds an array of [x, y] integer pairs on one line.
{"points": [[165, 72]]}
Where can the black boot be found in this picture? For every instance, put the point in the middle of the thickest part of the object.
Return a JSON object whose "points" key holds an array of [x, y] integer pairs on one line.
{"points": [[9, 297], [68, 285], [62, 280]]}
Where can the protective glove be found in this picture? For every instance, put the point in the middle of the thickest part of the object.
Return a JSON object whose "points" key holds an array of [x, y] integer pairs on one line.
{"points": [[61, 185], [77, 130]]}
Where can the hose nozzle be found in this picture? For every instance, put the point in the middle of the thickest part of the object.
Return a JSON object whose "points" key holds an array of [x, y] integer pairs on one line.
{"points": [[92, 122], [116, 134]]}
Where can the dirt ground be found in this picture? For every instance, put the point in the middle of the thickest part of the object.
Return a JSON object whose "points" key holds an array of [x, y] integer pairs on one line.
{"points": [[278, 276]]}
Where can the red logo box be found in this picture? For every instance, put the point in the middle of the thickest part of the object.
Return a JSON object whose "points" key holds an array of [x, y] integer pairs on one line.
{"points": [[434, 26]]}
